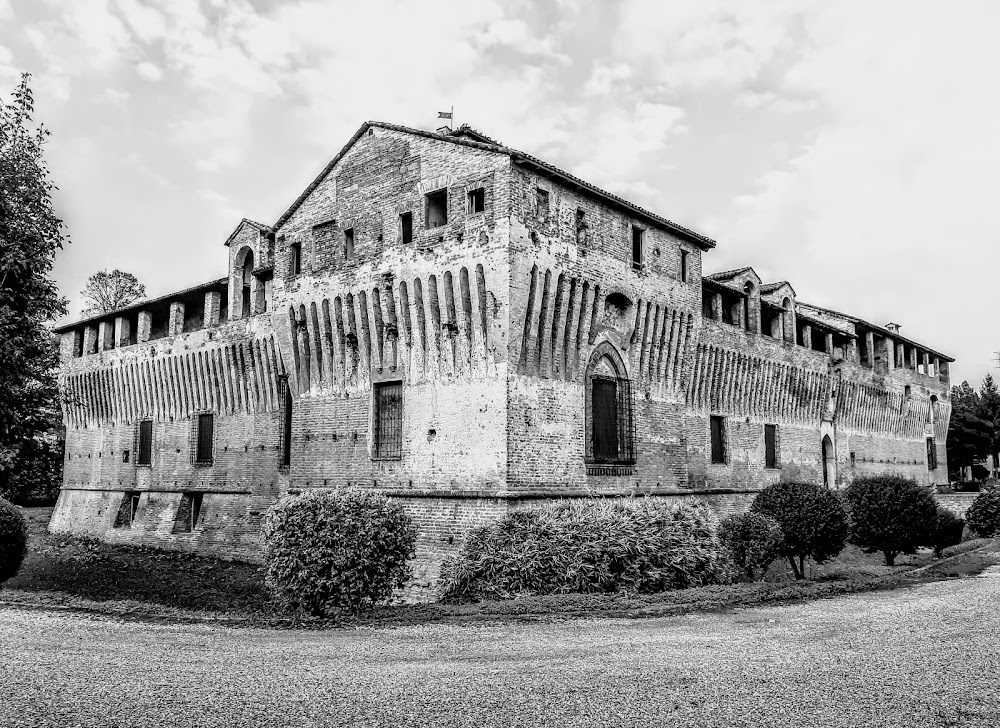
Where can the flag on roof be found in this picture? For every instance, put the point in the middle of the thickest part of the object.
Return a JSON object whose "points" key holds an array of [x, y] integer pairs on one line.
{"points": [[444, 114]]}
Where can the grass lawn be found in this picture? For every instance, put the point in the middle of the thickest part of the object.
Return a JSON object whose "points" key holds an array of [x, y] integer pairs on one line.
{"points": [[147, 583]]}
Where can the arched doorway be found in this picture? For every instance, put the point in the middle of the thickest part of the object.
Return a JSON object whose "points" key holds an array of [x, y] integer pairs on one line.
{"points": [[829, 463]]}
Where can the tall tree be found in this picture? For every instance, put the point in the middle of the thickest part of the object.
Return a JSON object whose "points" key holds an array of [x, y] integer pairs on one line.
{"points": [[30, 235], [969, 434], [109, 291], [989, 410]]}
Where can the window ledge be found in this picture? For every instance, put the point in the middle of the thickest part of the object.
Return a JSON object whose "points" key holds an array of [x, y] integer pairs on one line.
{"points": [[610, 469], [204, 463]]}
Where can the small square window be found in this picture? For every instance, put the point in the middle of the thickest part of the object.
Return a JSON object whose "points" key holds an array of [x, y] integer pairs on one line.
{"points": [[188, 513], [128, 509], [406, 228], [348, 243], [436, 212], [477, 200]]}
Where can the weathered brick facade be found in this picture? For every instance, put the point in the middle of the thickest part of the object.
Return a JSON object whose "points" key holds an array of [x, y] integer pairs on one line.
{"points": [[548, 340]]}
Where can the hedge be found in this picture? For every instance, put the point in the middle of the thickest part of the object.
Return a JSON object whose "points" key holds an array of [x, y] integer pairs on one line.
{"points": [[13, 539], [641, 545]]}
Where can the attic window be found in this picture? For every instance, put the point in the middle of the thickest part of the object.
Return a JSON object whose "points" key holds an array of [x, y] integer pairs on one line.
{"points": [[295, 258], [581, 227], [436, 212], [406, 228], [684, 266], [477, 200], [348, 243]]}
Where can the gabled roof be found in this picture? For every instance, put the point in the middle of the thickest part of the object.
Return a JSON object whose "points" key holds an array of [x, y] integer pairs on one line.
{"points": [[252, 223], [466, 136], [727, 275], [772, 287]]}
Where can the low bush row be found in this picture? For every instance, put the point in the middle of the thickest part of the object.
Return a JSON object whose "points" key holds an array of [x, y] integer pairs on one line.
{"points": [[13, 539], [342, 551]]}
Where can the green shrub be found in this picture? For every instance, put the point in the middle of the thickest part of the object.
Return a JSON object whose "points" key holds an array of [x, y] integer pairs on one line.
{"points": [[983, 516], [642, 545], [813, 521], [751, 540], [13, 539], [333, 552], [891, 514], [948, 531]]}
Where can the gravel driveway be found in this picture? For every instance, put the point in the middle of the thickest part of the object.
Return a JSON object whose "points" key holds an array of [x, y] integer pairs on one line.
{"points": [[926, 656]]}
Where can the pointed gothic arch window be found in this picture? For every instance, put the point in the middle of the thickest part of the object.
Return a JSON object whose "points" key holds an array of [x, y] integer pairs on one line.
{"points": [[610, 427]]}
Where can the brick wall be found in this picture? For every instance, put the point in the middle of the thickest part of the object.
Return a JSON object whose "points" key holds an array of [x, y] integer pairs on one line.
{"points": [[493, 323]]}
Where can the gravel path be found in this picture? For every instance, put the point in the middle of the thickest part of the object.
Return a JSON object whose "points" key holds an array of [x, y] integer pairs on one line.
{"points": [[927, 656]]}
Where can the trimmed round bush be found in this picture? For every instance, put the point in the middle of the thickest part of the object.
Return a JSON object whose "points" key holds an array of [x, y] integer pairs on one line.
{"points": [[948, 531], [983, 516], [333, 552], [891, 514], [13, 539], [813, 521], [640, 545], [751, 540]]}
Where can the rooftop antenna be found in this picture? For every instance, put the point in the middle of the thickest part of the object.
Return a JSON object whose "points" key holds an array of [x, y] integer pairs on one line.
{"points": [[450, 116]]}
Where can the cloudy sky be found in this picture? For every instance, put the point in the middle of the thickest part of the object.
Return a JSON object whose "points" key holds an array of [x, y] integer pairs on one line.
{"points": [[851, 148]]}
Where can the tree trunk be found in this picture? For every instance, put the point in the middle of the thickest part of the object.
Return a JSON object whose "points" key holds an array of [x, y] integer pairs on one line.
{"points": [[795, 567], [890, 558], [802, 567]]}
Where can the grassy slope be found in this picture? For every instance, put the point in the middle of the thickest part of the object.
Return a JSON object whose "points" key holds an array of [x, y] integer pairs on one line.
{"points": [[91, 575]]}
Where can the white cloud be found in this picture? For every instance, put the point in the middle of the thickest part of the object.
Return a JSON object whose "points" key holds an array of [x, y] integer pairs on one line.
{"points": [[149, 71]]}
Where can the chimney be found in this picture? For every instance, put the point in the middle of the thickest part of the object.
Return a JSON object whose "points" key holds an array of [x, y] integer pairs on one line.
{"points": [[894, 328], [446, 130]]}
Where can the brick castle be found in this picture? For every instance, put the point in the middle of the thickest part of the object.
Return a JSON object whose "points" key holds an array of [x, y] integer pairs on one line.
{"points": [[467, 328]]}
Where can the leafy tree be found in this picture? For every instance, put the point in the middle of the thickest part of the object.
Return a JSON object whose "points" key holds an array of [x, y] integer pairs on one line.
{"points": [[989, 412], [947, 531], [969, 434], [109, 291], [751, 541], [812, 518], [983, 516], [891, 514], [30, 235], [13, 540]]}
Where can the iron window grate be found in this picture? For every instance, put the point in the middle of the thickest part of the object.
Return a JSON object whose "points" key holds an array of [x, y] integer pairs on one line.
{"points": [[388, 419], [613, 424]]}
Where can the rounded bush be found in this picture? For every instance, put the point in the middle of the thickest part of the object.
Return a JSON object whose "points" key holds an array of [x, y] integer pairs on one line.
{"points": [[891, 514], [13, 539], [813, 521], [751, 540], [333, 552], [948, 530], [642, 545], [983, 516]]}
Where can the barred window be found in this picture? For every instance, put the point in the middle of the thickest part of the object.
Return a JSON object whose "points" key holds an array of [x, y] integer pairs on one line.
{"points": [[206, 425], [145, 454], [610, 425], [931, 454], [388, 421]]}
